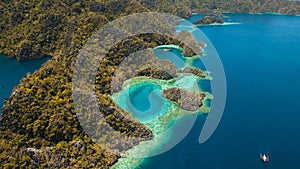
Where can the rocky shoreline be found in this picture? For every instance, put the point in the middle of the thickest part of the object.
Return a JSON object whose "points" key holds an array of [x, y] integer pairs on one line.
{"points": [[209, 20], [186, 100]]}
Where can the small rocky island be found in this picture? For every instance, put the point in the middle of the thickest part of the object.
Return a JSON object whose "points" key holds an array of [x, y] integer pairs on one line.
{"points": [[209, 20], [187, 100], [195, 71]]}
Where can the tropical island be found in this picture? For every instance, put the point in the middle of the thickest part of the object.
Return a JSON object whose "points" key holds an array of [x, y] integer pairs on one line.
{"points": [[192, 100], [209, 20], [38, 125]]}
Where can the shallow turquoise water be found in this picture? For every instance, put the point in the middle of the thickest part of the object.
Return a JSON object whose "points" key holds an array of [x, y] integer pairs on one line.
{"points": [[262, 65], [12, 71], [138, 99], [144, 100]]}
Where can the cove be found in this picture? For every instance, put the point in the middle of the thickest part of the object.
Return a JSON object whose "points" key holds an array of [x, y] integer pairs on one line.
{"points": [[12, 71], [173, 55], [142, 97], [144, 100]]}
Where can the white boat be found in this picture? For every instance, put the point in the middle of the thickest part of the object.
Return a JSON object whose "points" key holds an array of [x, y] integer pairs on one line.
{"points": [[265, 158]]}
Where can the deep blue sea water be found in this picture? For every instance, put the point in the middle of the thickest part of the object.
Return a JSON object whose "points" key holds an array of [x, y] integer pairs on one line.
{"points": [[261, 58], [12, 71]]}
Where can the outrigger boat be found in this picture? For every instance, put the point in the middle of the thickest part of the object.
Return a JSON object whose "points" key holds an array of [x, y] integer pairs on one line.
{"points": [[265, 158]]}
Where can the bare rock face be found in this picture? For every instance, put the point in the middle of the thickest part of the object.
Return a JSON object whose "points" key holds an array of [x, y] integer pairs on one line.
{"points": [[187, 100], [36, 156], [47, 158]]}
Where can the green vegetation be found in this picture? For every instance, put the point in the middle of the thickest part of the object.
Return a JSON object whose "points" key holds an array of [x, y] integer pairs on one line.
{"points": [[194, 71], [187, 100], [209, 20], [289, 7], [34, 28], [39, 127]]}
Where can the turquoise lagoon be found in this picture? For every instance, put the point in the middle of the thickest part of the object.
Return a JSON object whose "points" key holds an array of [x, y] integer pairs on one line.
{"points": [[262, 64], [143, 98]]}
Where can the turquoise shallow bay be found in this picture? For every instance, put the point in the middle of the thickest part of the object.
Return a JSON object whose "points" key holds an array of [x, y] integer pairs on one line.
{"points": [[143, 97], [144, 100]]}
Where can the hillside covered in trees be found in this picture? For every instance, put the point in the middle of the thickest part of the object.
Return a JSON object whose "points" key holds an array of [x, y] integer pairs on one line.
{"points": [[289, 7], [39, 127], [38, 28]]}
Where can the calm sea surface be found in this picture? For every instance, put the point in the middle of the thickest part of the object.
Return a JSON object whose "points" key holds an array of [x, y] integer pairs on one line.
{"points": [[12, 71], [261, 58]]}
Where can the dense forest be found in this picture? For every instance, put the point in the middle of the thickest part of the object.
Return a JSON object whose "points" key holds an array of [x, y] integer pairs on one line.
{"points": [[38, 28], [39, 127], [289, 7]]}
